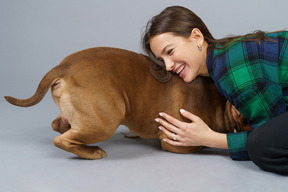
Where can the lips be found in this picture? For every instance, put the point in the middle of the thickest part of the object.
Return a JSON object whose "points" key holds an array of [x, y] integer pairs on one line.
{"points": [[180, 69]]}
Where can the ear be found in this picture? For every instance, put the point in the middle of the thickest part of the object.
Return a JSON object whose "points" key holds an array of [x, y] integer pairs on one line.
{"points": [[196, 35]]}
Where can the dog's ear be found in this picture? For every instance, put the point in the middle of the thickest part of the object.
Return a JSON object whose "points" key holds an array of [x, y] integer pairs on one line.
{"points": [[242, 123], [244, 126], [235, 113]]}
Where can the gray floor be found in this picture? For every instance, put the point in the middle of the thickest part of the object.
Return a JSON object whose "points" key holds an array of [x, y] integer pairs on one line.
{"points": [[31, 163]]}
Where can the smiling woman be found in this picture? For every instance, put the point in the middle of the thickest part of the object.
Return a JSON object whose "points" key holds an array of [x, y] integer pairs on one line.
{"points": [[249, 70], [177, 22], [183, 56]]}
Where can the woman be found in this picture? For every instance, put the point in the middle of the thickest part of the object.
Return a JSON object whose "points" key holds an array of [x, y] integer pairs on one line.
{"points": [[251, 71]]}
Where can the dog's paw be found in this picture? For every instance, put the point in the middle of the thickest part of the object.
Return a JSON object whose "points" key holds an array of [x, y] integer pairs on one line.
{"points": [[91, 152], [130, 135]]}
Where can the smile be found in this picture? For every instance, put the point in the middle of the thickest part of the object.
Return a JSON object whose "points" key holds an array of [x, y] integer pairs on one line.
{"points": [[180, 69]]}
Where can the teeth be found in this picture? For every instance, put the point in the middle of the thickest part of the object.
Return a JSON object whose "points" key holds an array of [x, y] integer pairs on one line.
{"points": [[180, 69]]}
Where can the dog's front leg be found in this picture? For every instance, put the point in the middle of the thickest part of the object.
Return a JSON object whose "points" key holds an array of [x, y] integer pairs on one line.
{"points": [[167, 147], [70, 141]]}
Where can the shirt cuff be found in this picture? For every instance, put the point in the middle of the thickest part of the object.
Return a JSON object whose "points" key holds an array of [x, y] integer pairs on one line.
{"points": [[237, 145]]}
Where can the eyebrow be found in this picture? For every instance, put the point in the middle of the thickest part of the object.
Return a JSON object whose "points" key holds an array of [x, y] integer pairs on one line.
{"points": [[163, 50]]}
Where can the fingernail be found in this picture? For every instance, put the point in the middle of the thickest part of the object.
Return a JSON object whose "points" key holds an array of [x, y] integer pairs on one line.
{"points": [[164, 140], [182, 111], [157, 120], [160, 128], [161, 114]]}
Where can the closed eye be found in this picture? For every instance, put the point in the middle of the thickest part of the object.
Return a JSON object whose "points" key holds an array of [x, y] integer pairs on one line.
{"points": [[169, 52]]}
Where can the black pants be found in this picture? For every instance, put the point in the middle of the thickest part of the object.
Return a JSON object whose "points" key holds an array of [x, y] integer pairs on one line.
{"points": [[268, 145]]}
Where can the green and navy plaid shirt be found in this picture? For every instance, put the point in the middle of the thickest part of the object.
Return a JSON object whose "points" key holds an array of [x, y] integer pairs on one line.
{"points": [[254, 78]]}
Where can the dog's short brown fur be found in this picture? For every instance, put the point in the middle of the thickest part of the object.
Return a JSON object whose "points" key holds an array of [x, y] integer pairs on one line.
{"points": [[100, 88]]}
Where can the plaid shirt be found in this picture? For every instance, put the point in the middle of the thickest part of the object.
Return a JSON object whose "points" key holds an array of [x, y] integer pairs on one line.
{"points": [[254, 78]]}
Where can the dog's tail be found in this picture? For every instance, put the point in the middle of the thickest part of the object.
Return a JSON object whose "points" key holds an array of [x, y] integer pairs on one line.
{"points": [[47, 81]]}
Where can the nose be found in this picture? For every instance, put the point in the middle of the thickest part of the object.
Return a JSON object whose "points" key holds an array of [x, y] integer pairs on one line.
{"points": [[169, 65]]}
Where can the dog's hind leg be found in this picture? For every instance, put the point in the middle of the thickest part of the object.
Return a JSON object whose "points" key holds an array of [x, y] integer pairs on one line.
{"points": [[93, 113], [91, 129], [71, 142]]}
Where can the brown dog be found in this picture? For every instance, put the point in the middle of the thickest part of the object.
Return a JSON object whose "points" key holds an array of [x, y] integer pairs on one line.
{"points": [[100, 88]]}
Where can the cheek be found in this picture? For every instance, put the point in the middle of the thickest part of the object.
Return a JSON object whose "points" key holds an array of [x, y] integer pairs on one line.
{"points": [[179, 55], [196, 58]]}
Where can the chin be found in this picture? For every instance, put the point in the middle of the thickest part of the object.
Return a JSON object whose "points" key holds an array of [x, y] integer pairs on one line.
{"points": [[188, 80]]}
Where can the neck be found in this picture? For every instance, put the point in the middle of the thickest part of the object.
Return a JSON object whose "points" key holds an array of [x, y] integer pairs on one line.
{"points": [[204, 70]]}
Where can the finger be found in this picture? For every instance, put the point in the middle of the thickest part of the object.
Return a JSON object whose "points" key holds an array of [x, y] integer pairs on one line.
{"points": [[172, 142], [189, 115], [170, 127], [171, 119], [169, 134]]}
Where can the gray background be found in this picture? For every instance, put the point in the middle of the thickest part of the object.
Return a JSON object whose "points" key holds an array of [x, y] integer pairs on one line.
{"points": [[36, 35]]}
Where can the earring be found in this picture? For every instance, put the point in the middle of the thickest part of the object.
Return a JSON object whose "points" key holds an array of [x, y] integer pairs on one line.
{"points": [[200, 47]]}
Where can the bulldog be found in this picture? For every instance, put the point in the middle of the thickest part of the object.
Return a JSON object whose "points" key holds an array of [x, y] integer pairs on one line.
{"points": [[98, 89]]}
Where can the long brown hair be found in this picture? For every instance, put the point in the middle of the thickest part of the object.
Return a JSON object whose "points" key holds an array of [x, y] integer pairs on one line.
{"points": [[181, 21]]}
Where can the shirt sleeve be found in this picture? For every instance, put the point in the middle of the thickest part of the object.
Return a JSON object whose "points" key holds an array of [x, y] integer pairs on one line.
{"points": [[237, 145]]}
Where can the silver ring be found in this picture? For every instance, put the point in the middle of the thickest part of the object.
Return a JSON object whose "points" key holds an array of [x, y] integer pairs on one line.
{"points": [[174, 138]]}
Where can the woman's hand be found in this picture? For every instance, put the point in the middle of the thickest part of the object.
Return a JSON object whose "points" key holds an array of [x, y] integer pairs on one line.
{"points": [[196, 133]]}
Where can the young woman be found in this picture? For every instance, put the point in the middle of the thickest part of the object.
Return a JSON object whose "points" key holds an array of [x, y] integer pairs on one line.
{"points": [[251, 71]]}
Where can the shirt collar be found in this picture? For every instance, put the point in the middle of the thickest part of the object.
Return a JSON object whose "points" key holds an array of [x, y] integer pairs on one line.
{"points": [[209, 59]]}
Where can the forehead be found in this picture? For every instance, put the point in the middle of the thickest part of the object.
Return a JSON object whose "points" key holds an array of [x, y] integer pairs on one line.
{"points": [[161, 38], [160, 41]]}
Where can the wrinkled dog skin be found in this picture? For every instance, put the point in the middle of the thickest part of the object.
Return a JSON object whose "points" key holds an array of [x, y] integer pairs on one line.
{"points": [[98, 89]]}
